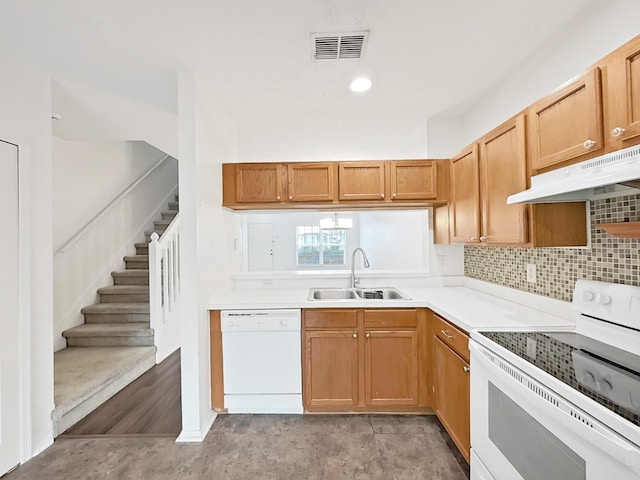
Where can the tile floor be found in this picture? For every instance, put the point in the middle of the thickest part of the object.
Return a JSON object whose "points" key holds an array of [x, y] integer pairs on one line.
{"points": [[265, 447]]}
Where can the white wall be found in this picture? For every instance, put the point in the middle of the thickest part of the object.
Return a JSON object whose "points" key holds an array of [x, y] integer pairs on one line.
{"points": [[591, 36], [25, 96], [86, 177], [395, 239], [92, 113], [207, 138], [334, 139]]}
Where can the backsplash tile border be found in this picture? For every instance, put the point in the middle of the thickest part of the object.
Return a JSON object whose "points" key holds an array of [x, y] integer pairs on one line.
{"points": [[609, 259]]}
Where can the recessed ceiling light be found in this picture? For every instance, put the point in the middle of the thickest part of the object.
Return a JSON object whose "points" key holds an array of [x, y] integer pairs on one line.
{"points": [[360, 84]]}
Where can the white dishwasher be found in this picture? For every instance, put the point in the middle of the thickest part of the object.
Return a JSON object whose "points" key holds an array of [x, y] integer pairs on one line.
{"points": [[262, 364]]}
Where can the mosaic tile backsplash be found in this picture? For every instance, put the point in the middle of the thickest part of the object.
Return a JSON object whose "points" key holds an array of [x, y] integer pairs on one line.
{"points": [[609, 259]]}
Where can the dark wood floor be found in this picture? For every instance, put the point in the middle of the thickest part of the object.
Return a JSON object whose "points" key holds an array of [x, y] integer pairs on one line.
{"points": [[149, 407]]}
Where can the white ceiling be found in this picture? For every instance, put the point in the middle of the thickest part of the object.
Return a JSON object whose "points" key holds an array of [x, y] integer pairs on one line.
{"points": [[425, 57]]}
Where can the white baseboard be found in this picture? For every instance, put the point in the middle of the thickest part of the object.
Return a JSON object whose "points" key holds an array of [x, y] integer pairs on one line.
{"points": [[197, 436]]}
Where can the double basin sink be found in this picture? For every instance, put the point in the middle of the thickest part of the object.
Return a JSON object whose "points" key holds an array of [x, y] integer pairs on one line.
{"points": [[356, 294]]}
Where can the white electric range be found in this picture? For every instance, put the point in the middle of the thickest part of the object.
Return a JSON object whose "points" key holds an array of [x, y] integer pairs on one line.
{"points": [[561, 405]]}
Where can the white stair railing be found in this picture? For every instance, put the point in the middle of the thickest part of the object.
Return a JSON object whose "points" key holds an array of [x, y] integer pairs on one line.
{"points": [[164, 289]]}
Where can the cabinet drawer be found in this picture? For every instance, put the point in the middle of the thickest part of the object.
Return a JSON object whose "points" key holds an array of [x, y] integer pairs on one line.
{"points": [[339, 318], [403, 318], [457, 339]]}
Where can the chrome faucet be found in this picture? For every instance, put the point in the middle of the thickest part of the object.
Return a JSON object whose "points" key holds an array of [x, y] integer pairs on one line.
{"points": [[355, 281]]}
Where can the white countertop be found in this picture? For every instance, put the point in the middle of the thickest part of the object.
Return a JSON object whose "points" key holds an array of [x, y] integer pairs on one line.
{"points": [[468, 308]]}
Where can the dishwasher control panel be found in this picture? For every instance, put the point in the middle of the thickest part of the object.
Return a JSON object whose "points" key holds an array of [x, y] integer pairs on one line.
{"points": [[260, 320]]}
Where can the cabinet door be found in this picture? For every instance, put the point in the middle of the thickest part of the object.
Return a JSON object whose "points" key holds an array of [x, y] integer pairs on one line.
{"points": [[452, 394], [361, 180], [259, 183], [623, 96], [465, 197], [503, 172], [391, 368], [413, 180], [311, 182], [568, 124], [330, 368]]}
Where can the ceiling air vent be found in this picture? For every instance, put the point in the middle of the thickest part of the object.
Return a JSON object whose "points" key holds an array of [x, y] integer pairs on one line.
{"points": [[338, 46]]}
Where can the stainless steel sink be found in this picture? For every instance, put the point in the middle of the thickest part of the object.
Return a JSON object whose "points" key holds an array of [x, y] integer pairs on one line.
{"points": [[332, 294], [357, 294], [384, 293]]}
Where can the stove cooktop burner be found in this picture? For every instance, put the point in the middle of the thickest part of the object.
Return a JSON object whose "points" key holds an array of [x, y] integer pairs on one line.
{"points": [[604, 373]]}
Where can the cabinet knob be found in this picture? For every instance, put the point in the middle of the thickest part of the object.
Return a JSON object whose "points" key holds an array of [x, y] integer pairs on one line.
{"points": [[483, 238], [394, 195], [466, 369], [618, 132], [474, 239], [355, 335], [278, 198], [368, 335], [589, 143], [290, 197], [382, 195]]}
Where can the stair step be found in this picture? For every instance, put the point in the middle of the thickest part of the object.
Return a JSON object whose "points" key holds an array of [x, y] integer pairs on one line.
{"points": [[136, 261], [131, 277], [124, 294], [116, 308], [117, 313], [86, 377], [110, 335], [161, 223], [142, 248], [174, 206], [169, 214]]}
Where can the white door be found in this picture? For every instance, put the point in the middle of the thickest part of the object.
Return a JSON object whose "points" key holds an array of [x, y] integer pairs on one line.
{"points": [[260, 247], [9, 396]]}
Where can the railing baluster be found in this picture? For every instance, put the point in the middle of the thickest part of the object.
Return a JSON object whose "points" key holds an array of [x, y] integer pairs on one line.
{"points": [[164, 285]]}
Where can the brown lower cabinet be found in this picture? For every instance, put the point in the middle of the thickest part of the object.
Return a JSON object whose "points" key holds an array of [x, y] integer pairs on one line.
{"points": [[365, 360], [451, 382]]}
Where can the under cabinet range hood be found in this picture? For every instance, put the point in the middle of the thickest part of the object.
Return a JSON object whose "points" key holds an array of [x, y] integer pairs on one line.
{"points": [[613, 174]]}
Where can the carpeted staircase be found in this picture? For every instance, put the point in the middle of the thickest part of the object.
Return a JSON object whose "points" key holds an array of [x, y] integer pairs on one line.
{"points": [[115, 345]]}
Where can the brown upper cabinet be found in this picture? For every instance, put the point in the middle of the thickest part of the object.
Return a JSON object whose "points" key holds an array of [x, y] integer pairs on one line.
{"points": [[259, 183], [566, 126], [311, 182], [413, 180], [361, 180], [335, 184], [482, 178], [622, 92], [484, 175], [465, 197], [503, 172]]}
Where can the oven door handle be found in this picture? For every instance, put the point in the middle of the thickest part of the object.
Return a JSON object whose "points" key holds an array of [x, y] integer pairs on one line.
{"points": [[607, 441]]}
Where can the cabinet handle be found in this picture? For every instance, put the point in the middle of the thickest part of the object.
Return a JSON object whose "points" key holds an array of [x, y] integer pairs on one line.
{"points": [[474, 239], [483, 238], [618, 132], [466, 369], [368, 335], [355, 335], [589, 143], [446, 334]]}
